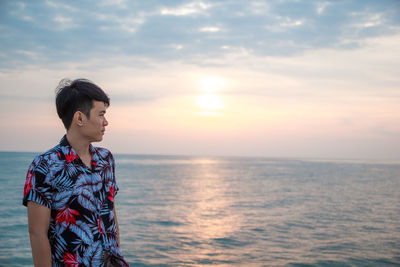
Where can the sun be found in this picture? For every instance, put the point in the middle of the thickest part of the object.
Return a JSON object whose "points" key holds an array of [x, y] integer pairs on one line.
{"points": [[210, 102]]}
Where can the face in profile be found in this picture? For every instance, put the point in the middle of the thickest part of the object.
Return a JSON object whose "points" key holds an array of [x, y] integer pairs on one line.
{"points": [[94, 126]]}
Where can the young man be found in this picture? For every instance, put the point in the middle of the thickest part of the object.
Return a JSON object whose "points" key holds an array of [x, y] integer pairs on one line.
{"points": [[69, 190]]}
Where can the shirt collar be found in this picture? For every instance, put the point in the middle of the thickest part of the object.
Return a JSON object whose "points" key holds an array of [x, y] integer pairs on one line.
{"points": [[64, 142], [71, 155], [68, 151]]}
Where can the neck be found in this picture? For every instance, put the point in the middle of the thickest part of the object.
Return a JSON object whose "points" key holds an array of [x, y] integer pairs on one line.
{"points": [[79, 144]]}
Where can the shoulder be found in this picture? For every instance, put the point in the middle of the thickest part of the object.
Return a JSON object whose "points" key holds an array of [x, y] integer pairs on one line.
{"points": [[104, 153], [46, 159]]}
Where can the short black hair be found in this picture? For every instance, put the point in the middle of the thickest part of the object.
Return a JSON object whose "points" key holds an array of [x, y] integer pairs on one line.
{"points": [[77, 95]]}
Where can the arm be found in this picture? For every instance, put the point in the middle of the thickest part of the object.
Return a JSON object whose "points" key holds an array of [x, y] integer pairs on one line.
{"points": [[38, 224], [116, 225]]}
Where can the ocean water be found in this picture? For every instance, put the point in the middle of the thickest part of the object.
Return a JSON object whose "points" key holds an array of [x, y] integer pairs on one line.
{"points": [[220, 211]]}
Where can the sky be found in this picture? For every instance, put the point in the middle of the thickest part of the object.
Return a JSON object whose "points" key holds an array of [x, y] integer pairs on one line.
{"points": [[308, 79]]}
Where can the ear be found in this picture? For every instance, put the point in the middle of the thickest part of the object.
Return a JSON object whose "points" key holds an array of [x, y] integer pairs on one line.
{"points": [[79, 118]]}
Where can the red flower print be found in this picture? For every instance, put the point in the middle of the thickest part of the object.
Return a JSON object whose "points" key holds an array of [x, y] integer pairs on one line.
{"points": [[66, 215], [58, 154], [71, 157], [111, 198], [99, 225], [70, 260], [28, 183], [94, 163]]}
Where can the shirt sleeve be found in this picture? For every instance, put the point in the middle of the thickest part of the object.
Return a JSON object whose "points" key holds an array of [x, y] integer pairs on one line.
{"points": [[36, 188]]}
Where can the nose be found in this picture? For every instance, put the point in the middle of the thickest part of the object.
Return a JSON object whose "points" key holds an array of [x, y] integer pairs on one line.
{"points": [[105, 122]]}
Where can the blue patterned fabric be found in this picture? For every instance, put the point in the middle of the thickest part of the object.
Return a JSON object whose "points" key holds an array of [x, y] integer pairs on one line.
{"points": [[82, 226]]}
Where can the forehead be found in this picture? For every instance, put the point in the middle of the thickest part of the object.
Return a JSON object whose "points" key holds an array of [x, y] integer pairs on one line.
{"points": [[99, 106]]}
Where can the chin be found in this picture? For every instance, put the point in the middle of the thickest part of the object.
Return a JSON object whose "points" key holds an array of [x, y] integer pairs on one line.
{"points": [[98, 139]]}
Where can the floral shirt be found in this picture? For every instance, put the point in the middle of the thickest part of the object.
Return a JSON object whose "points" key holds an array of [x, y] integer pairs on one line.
{"points": [[81, 199]]}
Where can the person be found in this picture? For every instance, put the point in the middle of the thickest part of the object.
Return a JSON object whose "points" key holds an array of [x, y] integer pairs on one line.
{"points": [[69, 190]]}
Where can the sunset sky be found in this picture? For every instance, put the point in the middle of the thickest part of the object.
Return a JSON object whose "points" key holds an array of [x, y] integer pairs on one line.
{"points": [[317, 79]]}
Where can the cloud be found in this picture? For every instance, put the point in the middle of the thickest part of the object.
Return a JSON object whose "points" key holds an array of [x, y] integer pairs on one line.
{"points": [[197, 7], [321, 7], [57, 5], [198, 32], [210, 29], [64, 22]]}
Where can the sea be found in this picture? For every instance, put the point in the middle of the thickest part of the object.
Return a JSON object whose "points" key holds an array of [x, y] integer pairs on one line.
{"points": [[235, 211]]}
